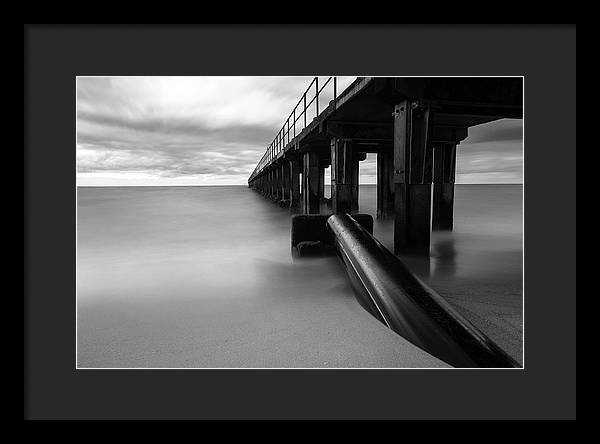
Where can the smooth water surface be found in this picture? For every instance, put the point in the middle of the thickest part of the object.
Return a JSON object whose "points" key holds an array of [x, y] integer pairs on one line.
{"points": [[203, 277]]}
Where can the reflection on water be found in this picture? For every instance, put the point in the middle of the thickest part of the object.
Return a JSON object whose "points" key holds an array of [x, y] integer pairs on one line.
{"points": [[487, 230], [477, 267], [443, 254]]}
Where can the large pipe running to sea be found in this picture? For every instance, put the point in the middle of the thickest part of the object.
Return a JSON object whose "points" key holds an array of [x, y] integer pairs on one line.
{"points": [[393, 294]]}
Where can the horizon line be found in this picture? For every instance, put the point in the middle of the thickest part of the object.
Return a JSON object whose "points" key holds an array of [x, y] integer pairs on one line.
{"points": [[245, 185]]}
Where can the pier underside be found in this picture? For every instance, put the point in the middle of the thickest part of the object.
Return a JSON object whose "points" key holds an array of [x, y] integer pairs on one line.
{"points": [[414, 126]]}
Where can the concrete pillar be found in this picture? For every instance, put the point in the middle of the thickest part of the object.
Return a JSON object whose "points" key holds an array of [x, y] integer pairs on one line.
{"points": [[294, 184], [412, 178], [310, 183], [444, 172], [341, 176], [385, 182]]}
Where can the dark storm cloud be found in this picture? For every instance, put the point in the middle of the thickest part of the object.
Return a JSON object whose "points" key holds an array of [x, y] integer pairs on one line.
{"points": [[139, 130], [255, 134]]}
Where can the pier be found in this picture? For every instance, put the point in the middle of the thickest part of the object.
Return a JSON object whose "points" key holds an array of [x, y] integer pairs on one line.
{"points": [[414, 126]]}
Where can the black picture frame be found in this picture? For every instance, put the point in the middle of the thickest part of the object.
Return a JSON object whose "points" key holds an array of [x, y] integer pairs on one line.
{"points": [[54, 55]]}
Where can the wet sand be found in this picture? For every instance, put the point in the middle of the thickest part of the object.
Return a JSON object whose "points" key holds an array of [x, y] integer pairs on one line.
{"points": [[317, 324]]}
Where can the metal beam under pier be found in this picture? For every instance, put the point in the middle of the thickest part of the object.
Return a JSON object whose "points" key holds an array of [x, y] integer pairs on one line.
{"points": [[341, 175], [294, 184], [385, 182], [444, 172], [285, 181], [310, 183], [412, 178]]}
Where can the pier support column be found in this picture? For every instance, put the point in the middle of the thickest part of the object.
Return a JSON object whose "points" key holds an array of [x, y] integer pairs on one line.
{"points": [[310, 183], [385, 183], [285, 180], [321, 183], [341, 176], [412, 178], [444, 172], [273, 187], [294, 184], [268, 183], [356, 159], [279, 182]]}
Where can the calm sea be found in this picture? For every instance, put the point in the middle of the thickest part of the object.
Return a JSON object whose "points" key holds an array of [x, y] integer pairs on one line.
{"points": [[203, 277]]}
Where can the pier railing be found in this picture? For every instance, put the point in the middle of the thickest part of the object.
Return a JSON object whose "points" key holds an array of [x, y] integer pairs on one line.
{"points": [[298, 118]]}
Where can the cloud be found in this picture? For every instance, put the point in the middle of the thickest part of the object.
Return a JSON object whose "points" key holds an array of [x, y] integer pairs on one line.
{"points": [[213, 130], [493, 153], [498, 131], [173, 129]]}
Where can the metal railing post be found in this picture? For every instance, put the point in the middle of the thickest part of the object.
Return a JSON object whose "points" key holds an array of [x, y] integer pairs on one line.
{"points": [[304, 97], [317, 96], [335, 92], [284, 135]]}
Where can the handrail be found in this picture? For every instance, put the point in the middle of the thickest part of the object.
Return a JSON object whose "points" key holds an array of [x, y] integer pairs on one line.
{"points": [[283, 136]]}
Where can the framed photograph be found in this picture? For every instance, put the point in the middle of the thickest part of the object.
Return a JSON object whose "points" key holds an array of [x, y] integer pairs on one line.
{"points": [[308, 239]]}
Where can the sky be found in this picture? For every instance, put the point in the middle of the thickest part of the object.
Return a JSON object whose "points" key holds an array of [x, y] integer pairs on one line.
{"points": [[143, 131]]}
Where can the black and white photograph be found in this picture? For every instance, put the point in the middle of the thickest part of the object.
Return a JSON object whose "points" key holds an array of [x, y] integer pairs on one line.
{"points": [[300, 222]]}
